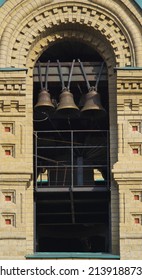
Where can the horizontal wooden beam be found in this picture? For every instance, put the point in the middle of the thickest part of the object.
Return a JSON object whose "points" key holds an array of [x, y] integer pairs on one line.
{"points": [[92, 70]]}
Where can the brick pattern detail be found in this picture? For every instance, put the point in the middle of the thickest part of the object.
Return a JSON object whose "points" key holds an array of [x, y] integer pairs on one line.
{"points": [[134, 128], [40, 23], [137, 218], [9, 150], [9, 195], [9, 219], [8, 127], [7, 198], [12, 105], [136, 197]]}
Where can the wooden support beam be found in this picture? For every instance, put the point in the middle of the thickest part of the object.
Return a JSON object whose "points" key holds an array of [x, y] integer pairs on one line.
{"points": [[91, 69]]}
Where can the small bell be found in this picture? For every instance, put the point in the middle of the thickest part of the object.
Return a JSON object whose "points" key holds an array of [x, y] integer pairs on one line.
{"points": [[67, 106], [44, 104], [92, 106]]}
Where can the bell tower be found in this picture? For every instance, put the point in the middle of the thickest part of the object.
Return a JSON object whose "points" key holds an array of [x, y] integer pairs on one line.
{"points": [[95, 161]]}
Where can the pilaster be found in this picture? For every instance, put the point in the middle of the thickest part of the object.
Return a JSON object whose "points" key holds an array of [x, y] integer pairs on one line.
{"points": [[16, 170], [127, 171]]}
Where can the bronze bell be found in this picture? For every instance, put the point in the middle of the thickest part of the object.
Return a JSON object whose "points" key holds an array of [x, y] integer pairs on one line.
{"points": [[92, 106], [44, 104], [67, 106]]}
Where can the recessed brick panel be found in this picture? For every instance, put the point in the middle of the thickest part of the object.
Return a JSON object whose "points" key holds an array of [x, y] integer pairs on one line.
{"points": [[7, 129], [135, 128], [7, 198], [136, 197], [8, 221], [7, 152], [135, 151], [137, 220]]}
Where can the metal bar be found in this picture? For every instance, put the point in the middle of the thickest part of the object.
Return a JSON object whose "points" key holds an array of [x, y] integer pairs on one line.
{"points": [[42, 226], [61, 75], [93, 166], [72, 181], [70, 75], [84, 74], [65, 176], [95, 200], [108, 160], [76, 189], [57, 173], [68, 213], [89, 130], [72, 207], [67, 147], [35, 231], [35, 134], [46, 77], [99, 76], [72, 177], [40, 75]]}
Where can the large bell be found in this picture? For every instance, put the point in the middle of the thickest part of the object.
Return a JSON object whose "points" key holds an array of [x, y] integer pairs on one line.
{"points": [[92, 106], [44, 104], [67, 107]]}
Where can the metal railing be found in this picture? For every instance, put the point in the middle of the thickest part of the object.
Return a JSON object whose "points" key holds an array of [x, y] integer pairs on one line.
{"points": [[71, 159]]}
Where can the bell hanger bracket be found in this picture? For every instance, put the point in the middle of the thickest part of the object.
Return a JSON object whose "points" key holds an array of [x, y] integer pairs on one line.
{"points": [[89, 87], [61, 75]]}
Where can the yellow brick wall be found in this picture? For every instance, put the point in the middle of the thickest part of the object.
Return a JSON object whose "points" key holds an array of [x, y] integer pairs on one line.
{"points": [[113, 28]]}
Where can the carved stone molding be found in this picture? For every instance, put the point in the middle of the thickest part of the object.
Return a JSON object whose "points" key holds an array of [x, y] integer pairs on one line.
{"points": [[15, 179], [127, 173]]}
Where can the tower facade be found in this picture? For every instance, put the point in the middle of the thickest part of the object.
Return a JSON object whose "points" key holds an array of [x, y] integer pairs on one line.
{"points": [[110, 32]]}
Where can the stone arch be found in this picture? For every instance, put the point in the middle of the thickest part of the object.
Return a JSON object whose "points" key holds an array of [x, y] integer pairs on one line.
{"points": [[33, 23], [78, 35]]}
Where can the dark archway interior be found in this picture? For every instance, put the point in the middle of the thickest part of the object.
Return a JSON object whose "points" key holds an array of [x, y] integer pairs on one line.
{"points": [[72, 215], [69, 50]]}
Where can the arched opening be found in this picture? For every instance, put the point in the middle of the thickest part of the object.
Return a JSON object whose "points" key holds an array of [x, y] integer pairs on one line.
{"points": [[71, 155]]}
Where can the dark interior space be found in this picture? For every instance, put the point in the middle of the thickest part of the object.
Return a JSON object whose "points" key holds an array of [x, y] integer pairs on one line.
{"points": [[71, 157]]}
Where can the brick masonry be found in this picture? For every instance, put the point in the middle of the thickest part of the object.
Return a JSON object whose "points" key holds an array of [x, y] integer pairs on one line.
{"points": [[113, 28]]}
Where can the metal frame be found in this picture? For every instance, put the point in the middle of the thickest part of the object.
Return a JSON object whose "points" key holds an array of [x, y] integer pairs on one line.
{"points": [[51, 163]]}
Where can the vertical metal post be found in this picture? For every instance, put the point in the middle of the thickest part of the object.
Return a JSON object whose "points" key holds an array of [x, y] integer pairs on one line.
{"points": [[35, 188], [72, 177], [108, 186], [79, 171], [108, 161], [36, 160], [71, 187], [35, 232]]}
